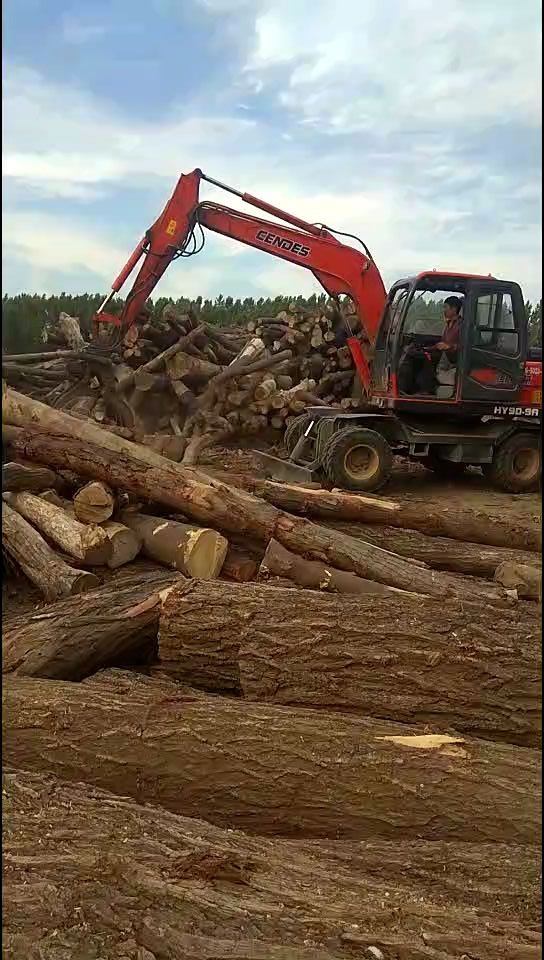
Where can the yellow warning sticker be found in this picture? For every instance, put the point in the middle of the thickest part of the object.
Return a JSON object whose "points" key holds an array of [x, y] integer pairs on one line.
{"points": [[171, 228]]}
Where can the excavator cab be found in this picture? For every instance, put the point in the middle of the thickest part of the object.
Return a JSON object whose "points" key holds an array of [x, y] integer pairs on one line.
{"points": [[487, 367]]}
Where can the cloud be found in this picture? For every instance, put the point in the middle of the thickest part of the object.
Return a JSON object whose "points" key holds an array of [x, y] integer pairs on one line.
{"points": [[417, 132], [80, 29]]}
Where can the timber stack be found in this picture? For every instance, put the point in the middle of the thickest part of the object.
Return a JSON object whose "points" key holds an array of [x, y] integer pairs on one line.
{"points": [[311, 745], [180, 384]]}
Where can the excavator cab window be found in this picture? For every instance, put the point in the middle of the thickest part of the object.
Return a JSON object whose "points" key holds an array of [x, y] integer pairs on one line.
{"points": [[421, 369]]}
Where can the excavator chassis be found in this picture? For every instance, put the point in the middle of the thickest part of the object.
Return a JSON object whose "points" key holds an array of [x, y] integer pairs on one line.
{"points": [[418, 439]]}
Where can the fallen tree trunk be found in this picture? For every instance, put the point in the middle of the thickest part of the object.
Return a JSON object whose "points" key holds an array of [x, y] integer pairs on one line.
{"points": [[440, 553], [74, 637], [89, 544], [44, 568], [279, 562], [114, 856], [273, 770], [396, 657], [450, 522], [26, 476], [239, 566], [194, 551], [94, 452], [94, 503]]}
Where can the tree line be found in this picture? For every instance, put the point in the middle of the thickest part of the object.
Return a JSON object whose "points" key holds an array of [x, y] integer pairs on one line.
{"points": [[25, 316]]}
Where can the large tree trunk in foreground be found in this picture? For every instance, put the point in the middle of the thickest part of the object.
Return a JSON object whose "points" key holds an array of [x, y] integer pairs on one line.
{"points": [[74, 637], [88, 544], [279, 562], [193, 551], [450, 522], [440, 553], [43, 567], [409, 660], [112, 857], [274, 770]]}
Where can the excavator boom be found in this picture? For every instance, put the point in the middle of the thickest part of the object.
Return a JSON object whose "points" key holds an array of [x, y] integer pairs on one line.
{"points": [[339, 268]]}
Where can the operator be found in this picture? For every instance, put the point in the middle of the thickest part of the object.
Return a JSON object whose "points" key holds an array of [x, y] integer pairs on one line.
{"points": [[450, 336], [448, 345]]}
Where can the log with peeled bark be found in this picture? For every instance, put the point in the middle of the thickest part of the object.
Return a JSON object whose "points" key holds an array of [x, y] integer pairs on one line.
{"points": [[92, 451], [74, 637], [459, 524], [43, 567], [396, 657], [522, 578], [26, 476], [86, 543], [279, 562], [223, 892], [125, 544], [194, 551], [183, 364], [440, 553], [273, 770], [94, 503]]}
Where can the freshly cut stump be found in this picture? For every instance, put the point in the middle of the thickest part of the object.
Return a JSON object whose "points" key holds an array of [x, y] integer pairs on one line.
{"points": [[147, 880], [273, 770]]}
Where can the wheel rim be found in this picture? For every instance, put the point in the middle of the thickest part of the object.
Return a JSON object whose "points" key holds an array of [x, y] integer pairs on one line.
{"points": [[361, 462], [526, 464]]}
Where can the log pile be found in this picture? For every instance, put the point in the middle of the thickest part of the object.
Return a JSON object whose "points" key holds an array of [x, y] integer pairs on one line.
{"points": [[180, 385], [365, 707]]}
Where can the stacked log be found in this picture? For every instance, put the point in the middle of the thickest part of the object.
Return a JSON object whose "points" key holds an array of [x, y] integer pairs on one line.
{"points": [[176, 376], [145, 883], [272, 770]]}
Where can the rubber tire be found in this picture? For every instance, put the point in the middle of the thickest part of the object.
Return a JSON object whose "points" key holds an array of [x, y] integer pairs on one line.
{"points": [[500, 471], [338, 447], [294, 431], [444, 468]]}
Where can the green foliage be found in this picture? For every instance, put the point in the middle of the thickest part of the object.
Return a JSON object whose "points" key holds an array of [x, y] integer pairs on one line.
{"points": [[534, 321]]}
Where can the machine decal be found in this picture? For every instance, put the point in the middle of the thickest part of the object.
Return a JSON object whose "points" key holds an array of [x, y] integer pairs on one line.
{"points": [[275, 240], [503, 411]]}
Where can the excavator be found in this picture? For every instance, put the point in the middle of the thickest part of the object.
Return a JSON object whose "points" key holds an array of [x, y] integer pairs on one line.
{"points": [[482, 408]]}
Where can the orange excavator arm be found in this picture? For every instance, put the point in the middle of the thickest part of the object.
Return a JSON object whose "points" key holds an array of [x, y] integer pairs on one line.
{"points": [[178, 233]]}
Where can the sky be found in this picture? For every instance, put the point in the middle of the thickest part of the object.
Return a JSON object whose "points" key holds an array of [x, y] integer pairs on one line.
{"points": [[412, 124]]}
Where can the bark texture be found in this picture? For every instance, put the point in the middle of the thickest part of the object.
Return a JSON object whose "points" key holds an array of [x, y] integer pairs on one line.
{"points": [[395, 657], [74, 637], [44, 568], [141, 879], [26, 476], [194, 551], [88, 544], [272, 770], [447, 522], [440, 553]]}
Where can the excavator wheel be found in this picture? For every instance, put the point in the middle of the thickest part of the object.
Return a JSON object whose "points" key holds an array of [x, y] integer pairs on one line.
{"points": [[294, 431], [444, 468], [517, 464], [358, 459]]}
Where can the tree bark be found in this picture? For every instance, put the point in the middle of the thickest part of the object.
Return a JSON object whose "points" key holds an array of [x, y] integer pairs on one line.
{"points": [[182, 364], [239, 566], [26, 476], [77, 636], [194, 551], [94, 503], [48, 572], [125, 544], [434, 521], [88, 544], [94, 452], [440, 553], [279, 562], [273, 770], [396, 657], [222, 893]]}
